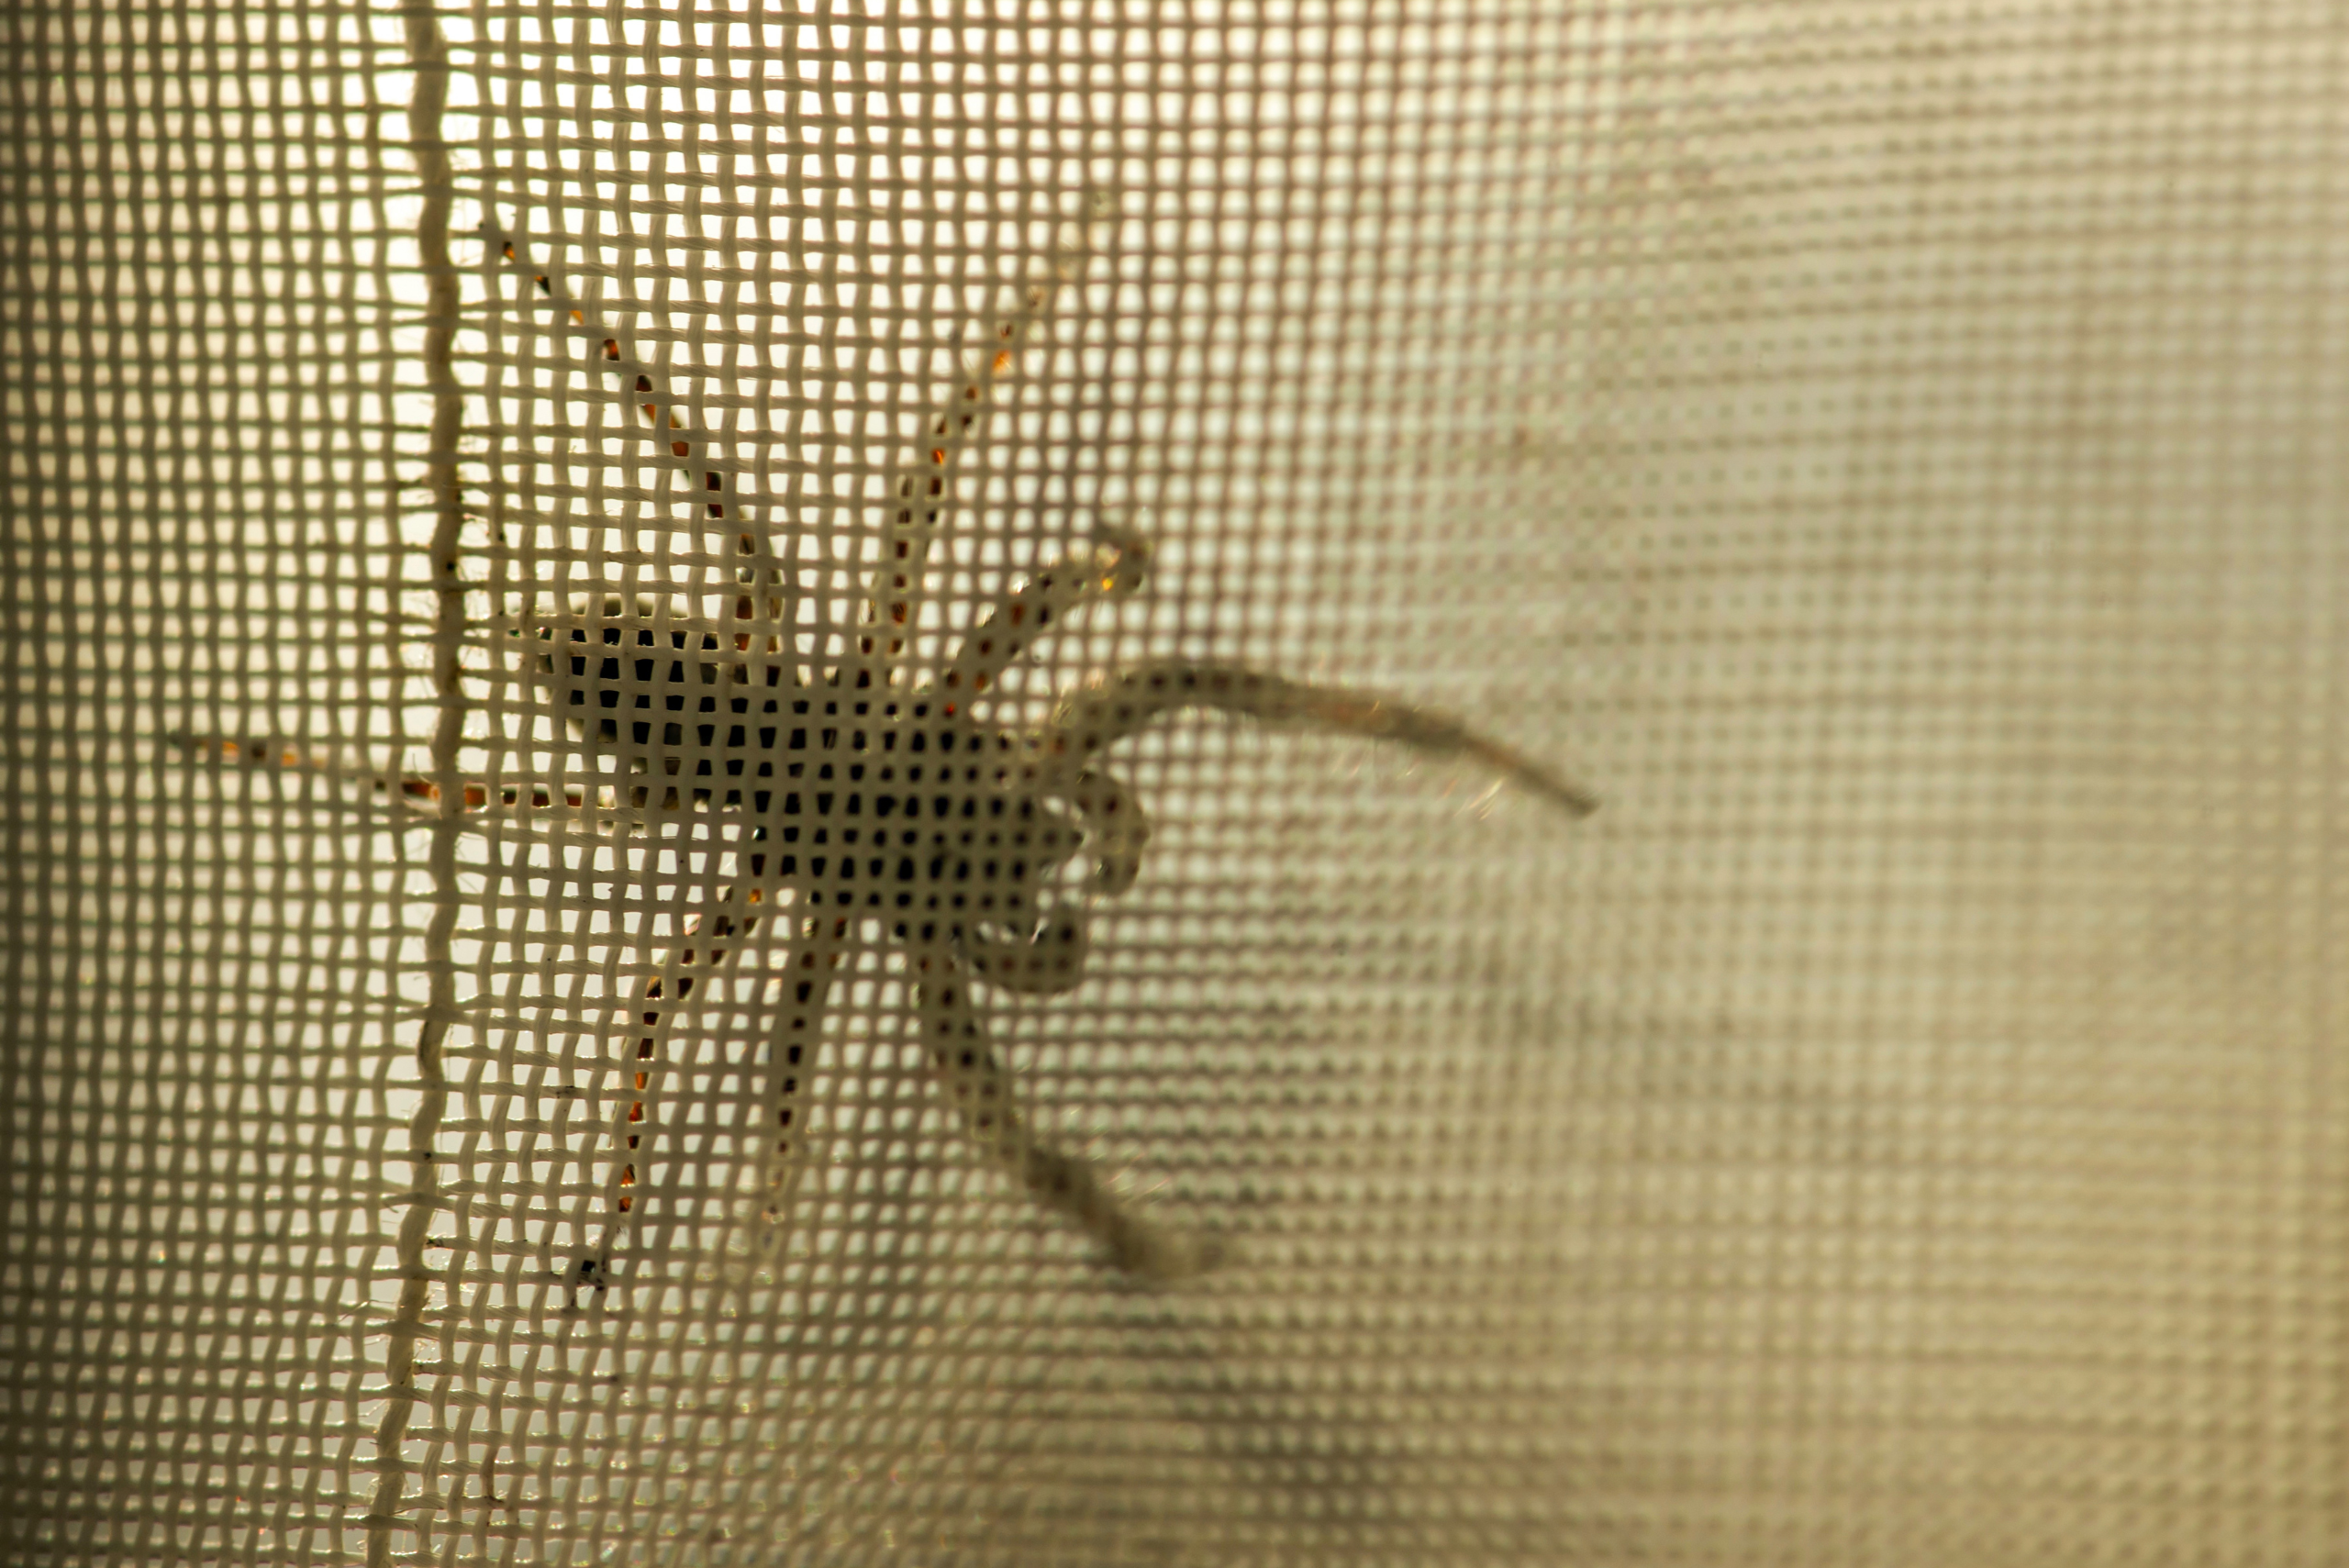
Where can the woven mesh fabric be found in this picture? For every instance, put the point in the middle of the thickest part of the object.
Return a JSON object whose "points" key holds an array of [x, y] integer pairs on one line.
{"points": [[1885, 451]]}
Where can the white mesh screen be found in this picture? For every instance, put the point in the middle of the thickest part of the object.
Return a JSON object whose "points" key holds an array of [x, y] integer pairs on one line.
{"points": [[1882, 453]]}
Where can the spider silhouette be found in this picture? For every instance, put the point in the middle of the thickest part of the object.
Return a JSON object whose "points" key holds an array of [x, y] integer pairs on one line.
{"points": [[854, 787]]}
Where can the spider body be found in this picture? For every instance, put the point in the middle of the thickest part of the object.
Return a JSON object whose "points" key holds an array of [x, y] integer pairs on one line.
{"points": [[862, 804], [857, 802]]}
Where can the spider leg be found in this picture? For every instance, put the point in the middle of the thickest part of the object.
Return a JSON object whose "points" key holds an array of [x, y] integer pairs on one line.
{"points": [[956, 1048], [921, 492], [288, 759], [1117, 564], [649, 1199], [1091, 721], [651, 406], [1114, 565], [409, 794]]}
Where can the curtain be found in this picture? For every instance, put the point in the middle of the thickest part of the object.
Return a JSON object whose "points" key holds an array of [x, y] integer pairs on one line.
{"points": [[1732, 959]]}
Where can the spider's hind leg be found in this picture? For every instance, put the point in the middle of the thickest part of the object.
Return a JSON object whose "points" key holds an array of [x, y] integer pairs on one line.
{"points": [[408, 792], [705, 1172], [955, 1049]]}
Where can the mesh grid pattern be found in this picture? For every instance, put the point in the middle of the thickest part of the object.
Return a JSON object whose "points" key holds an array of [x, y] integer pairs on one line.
{"points": [[1885, 451]]}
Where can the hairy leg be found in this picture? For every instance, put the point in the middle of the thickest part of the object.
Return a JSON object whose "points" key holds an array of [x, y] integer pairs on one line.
{"points": [[1114, 564], [771, 1137], [1092, 720], [921, 493], [409, 795], [668, 422], [642, 384]]}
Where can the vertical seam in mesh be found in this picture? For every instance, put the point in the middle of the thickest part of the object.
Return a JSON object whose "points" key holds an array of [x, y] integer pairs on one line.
{"points": [[430, 51]]}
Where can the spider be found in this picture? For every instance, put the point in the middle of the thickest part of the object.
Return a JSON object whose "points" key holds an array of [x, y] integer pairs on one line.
{"points": [[861, 792]]}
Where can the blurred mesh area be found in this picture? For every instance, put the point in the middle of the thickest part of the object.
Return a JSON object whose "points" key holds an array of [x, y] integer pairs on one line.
{"points": [[1886, 451]]}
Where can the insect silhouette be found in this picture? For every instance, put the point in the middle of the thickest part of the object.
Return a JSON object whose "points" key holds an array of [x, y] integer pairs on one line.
{"points": [[855, 789]]}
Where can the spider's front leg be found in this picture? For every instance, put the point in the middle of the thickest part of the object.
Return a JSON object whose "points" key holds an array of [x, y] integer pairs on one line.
{"points": [[1043, 951], [1113, 564], [1116, 564], [1092, 720], [923, 491], [641, 387], [956, 1051]]}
